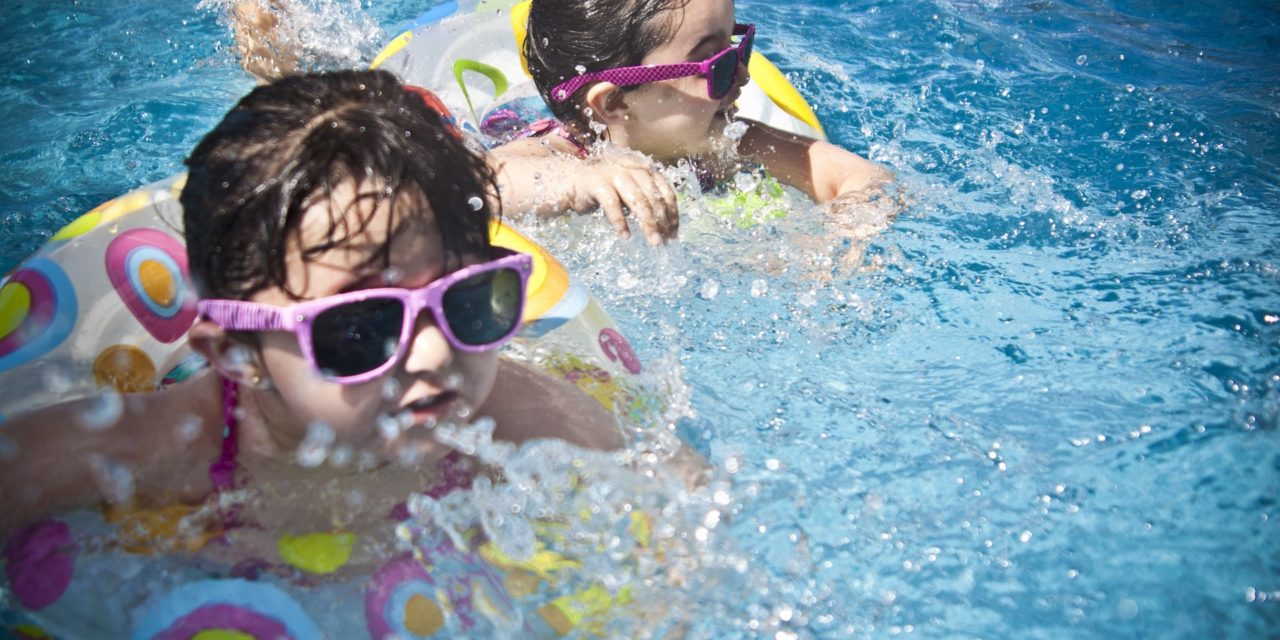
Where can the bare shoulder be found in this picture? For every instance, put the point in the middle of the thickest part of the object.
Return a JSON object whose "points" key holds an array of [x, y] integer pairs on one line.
{"points": [[537, 146], [528, 403]]}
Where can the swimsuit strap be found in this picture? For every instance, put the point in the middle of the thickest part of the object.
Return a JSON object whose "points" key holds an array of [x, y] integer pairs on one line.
{"points": [[551, 125], [222, 473]]}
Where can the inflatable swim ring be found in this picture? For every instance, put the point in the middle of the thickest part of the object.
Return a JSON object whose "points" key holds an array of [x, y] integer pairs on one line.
{"points": [[470, 53]]}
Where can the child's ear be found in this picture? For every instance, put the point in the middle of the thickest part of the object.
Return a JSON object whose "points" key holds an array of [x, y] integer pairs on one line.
{"points": [[607, 102], [233, 359]]}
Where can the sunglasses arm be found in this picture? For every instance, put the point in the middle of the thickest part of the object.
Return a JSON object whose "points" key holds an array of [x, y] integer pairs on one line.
{"points": [[236, 315], [629, 76]]}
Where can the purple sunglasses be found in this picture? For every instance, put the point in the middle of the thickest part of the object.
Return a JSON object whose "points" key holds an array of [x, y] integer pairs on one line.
{"points": [[720, 70], [351, 338]]}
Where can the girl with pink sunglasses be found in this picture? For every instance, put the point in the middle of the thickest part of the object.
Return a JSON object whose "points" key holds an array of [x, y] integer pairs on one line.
{"points": [[660, 77], [338, 233]]}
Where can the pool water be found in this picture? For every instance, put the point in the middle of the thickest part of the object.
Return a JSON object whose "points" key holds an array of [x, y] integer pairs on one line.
{"points": [[1042, 403]]}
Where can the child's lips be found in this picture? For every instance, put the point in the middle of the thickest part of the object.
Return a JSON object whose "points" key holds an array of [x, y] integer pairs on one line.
{"points": [[430, 409]]}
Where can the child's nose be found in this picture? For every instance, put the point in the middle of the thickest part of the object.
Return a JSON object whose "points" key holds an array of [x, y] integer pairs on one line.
{"points": [[429, 350]]}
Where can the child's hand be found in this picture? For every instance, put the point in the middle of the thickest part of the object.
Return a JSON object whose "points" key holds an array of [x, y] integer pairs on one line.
{"points": [[259, 39], [545, 176], [621, 182]]}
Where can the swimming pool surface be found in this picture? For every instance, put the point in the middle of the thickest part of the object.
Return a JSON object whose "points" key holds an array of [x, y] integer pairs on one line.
{"points": [[1044, 406]]}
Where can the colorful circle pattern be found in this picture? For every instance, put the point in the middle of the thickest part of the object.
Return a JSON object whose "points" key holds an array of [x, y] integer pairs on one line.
{"points": [[37, 312], [148, 269], [402, 602], [39, 562], [226, 608]]}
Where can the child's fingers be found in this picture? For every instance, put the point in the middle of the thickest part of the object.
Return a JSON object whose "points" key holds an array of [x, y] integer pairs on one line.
{"points": [[668, 205], [636, 197], [608, 199]]}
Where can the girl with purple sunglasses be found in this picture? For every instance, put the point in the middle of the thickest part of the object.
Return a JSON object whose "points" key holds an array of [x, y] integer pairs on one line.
{"points": [[338, 233], [660, 77]]}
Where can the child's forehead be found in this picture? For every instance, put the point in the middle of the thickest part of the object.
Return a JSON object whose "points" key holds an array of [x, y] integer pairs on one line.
{"points": [[368, 208], [692, 24], [357, 223]]}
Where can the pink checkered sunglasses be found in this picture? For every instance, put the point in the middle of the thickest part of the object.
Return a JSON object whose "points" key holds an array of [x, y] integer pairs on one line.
{"points": [[720, 70], [351, 338]]}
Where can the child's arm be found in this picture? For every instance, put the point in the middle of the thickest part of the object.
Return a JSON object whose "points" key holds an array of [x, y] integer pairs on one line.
{"points": [[820, 169], [86, 451], [527, 404], [263, 49], [543, 175]]}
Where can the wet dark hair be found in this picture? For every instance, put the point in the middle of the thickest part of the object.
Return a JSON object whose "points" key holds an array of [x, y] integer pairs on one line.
{"points": [[287, 144], [569, 37]]}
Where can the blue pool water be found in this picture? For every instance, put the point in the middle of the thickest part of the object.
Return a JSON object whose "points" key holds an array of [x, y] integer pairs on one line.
{"points": [[1046, 404]]}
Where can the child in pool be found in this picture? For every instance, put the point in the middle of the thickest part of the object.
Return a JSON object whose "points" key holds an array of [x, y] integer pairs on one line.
{"points": [[618, 183], [660, 77], [350, 298]]}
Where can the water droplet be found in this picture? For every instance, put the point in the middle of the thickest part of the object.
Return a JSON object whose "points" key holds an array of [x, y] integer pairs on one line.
{"points": [[314, 448], [709, 290], [391, 389], [102, 411], [341, 457], [1081, 59], [581, 69], [475, 202], [58, 380], [388, 426], [736, 129], [188, 429], [392, 275], [115, 480], [759, 288], [1126, 608]]}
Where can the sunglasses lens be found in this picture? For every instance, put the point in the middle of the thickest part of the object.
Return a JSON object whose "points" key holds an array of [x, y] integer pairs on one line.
{"points": [[356, 338], [723, 74], [484, 308]]}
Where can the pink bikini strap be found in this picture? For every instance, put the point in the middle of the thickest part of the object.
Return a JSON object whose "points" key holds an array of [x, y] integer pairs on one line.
{"points": [[551, 125], [222, 473]]}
